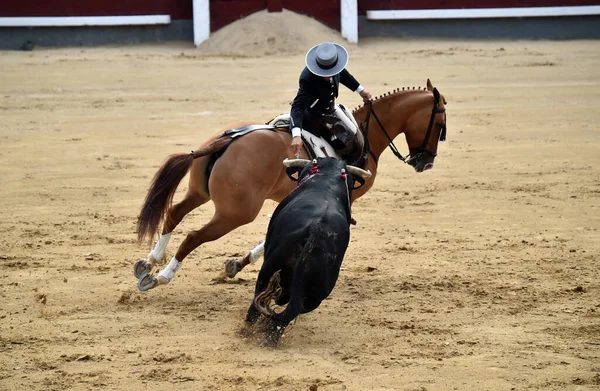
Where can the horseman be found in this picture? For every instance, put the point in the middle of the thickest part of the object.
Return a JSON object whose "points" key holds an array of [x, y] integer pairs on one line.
{"points": [[314, 108]]}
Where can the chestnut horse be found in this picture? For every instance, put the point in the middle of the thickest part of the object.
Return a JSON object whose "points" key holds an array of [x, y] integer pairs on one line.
{"points": [[240, 175]]}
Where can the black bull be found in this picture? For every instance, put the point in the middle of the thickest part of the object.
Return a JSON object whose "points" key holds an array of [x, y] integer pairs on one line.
{"points": [[305, 244]]}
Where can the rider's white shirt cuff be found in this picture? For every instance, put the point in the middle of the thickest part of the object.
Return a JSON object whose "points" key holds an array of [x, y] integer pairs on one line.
{"points": [[296, 132], [359, 89]]}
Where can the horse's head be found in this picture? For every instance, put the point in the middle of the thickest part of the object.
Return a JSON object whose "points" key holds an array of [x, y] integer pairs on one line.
{"points": [[425, 128]]}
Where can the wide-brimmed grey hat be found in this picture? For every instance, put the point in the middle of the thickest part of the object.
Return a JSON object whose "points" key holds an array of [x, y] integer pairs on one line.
{"points": [[326, 59]]}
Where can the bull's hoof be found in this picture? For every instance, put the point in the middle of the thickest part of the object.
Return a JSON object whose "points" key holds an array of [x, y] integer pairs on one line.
{"points": [[147, 282], [247, 331], [269, 342], [272, 337], [232, 267], [141, 267]]}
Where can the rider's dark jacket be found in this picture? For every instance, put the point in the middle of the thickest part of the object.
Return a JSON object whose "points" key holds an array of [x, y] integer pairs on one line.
{"points": [[316, 96]]}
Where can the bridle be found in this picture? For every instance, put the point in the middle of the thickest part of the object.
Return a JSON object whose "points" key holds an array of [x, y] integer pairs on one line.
{"points": [[418, 151]]}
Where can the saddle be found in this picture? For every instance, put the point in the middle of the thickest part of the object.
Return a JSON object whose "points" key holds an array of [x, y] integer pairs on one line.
{"points": [[317, 146]]}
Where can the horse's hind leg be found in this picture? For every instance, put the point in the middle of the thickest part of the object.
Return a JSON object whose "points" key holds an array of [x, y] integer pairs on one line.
{"points": [[175, 214], [217, 227]]}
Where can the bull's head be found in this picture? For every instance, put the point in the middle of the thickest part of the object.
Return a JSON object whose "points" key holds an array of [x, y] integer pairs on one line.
{"points": [[297, 167]]}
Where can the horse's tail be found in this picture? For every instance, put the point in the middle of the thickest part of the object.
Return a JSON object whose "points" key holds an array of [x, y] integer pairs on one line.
{"points": [[164, 184]]}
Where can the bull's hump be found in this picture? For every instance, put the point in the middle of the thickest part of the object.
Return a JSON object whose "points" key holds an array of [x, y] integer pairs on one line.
{"points": [[323, 187], [314, 208]]}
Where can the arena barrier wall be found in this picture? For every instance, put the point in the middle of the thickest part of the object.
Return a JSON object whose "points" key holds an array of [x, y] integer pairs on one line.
{"points": [[28, 23]]}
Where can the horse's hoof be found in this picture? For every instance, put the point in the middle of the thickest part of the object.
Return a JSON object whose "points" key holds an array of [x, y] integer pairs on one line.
{"points": [[147, 282], [141, 267], [232, 267]]}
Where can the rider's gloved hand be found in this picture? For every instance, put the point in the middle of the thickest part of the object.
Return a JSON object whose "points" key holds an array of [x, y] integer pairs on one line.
{"points": [[366, 95], [297, 146]]}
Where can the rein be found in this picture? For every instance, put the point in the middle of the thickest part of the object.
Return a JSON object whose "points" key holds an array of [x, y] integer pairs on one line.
{"points": [[421, 149], [392, 145]]}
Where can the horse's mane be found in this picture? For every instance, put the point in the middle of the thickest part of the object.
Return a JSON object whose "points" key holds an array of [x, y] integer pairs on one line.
{"points": [[387, 95]]}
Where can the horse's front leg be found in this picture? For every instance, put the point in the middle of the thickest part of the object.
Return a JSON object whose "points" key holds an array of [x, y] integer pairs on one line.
{"points": [[233, 265]]}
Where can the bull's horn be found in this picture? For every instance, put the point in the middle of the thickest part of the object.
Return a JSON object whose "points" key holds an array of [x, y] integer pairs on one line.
{"points": [[359, 172], [295, 162]]}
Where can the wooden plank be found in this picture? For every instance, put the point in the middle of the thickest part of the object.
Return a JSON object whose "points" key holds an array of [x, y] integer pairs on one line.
{"points": [[518, 12], [349, 20], [366, 5], [201, 21], [177, 9], [57, 21]]}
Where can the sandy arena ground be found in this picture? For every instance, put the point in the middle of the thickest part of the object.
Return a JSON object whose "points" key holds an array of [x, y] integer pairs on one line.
{"points": [[482, 274]]}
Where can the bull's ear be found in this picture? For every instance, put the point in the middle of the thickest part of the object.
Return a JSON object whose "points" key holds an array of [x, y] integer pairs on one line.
{"points": [[358, 182], [293, 173]]}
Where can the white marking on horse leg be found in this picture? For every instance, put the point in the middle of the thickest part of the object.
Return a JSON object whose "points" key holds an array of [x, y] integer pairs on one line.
{"points": [[158, 252], [257, 252], [167, 274]]}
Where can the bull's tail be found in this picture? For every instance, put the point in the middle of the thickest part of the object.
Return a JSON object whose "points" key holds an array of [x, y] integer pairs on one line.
{"points": [[164, 184], [262, 302], [295, 306]]}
